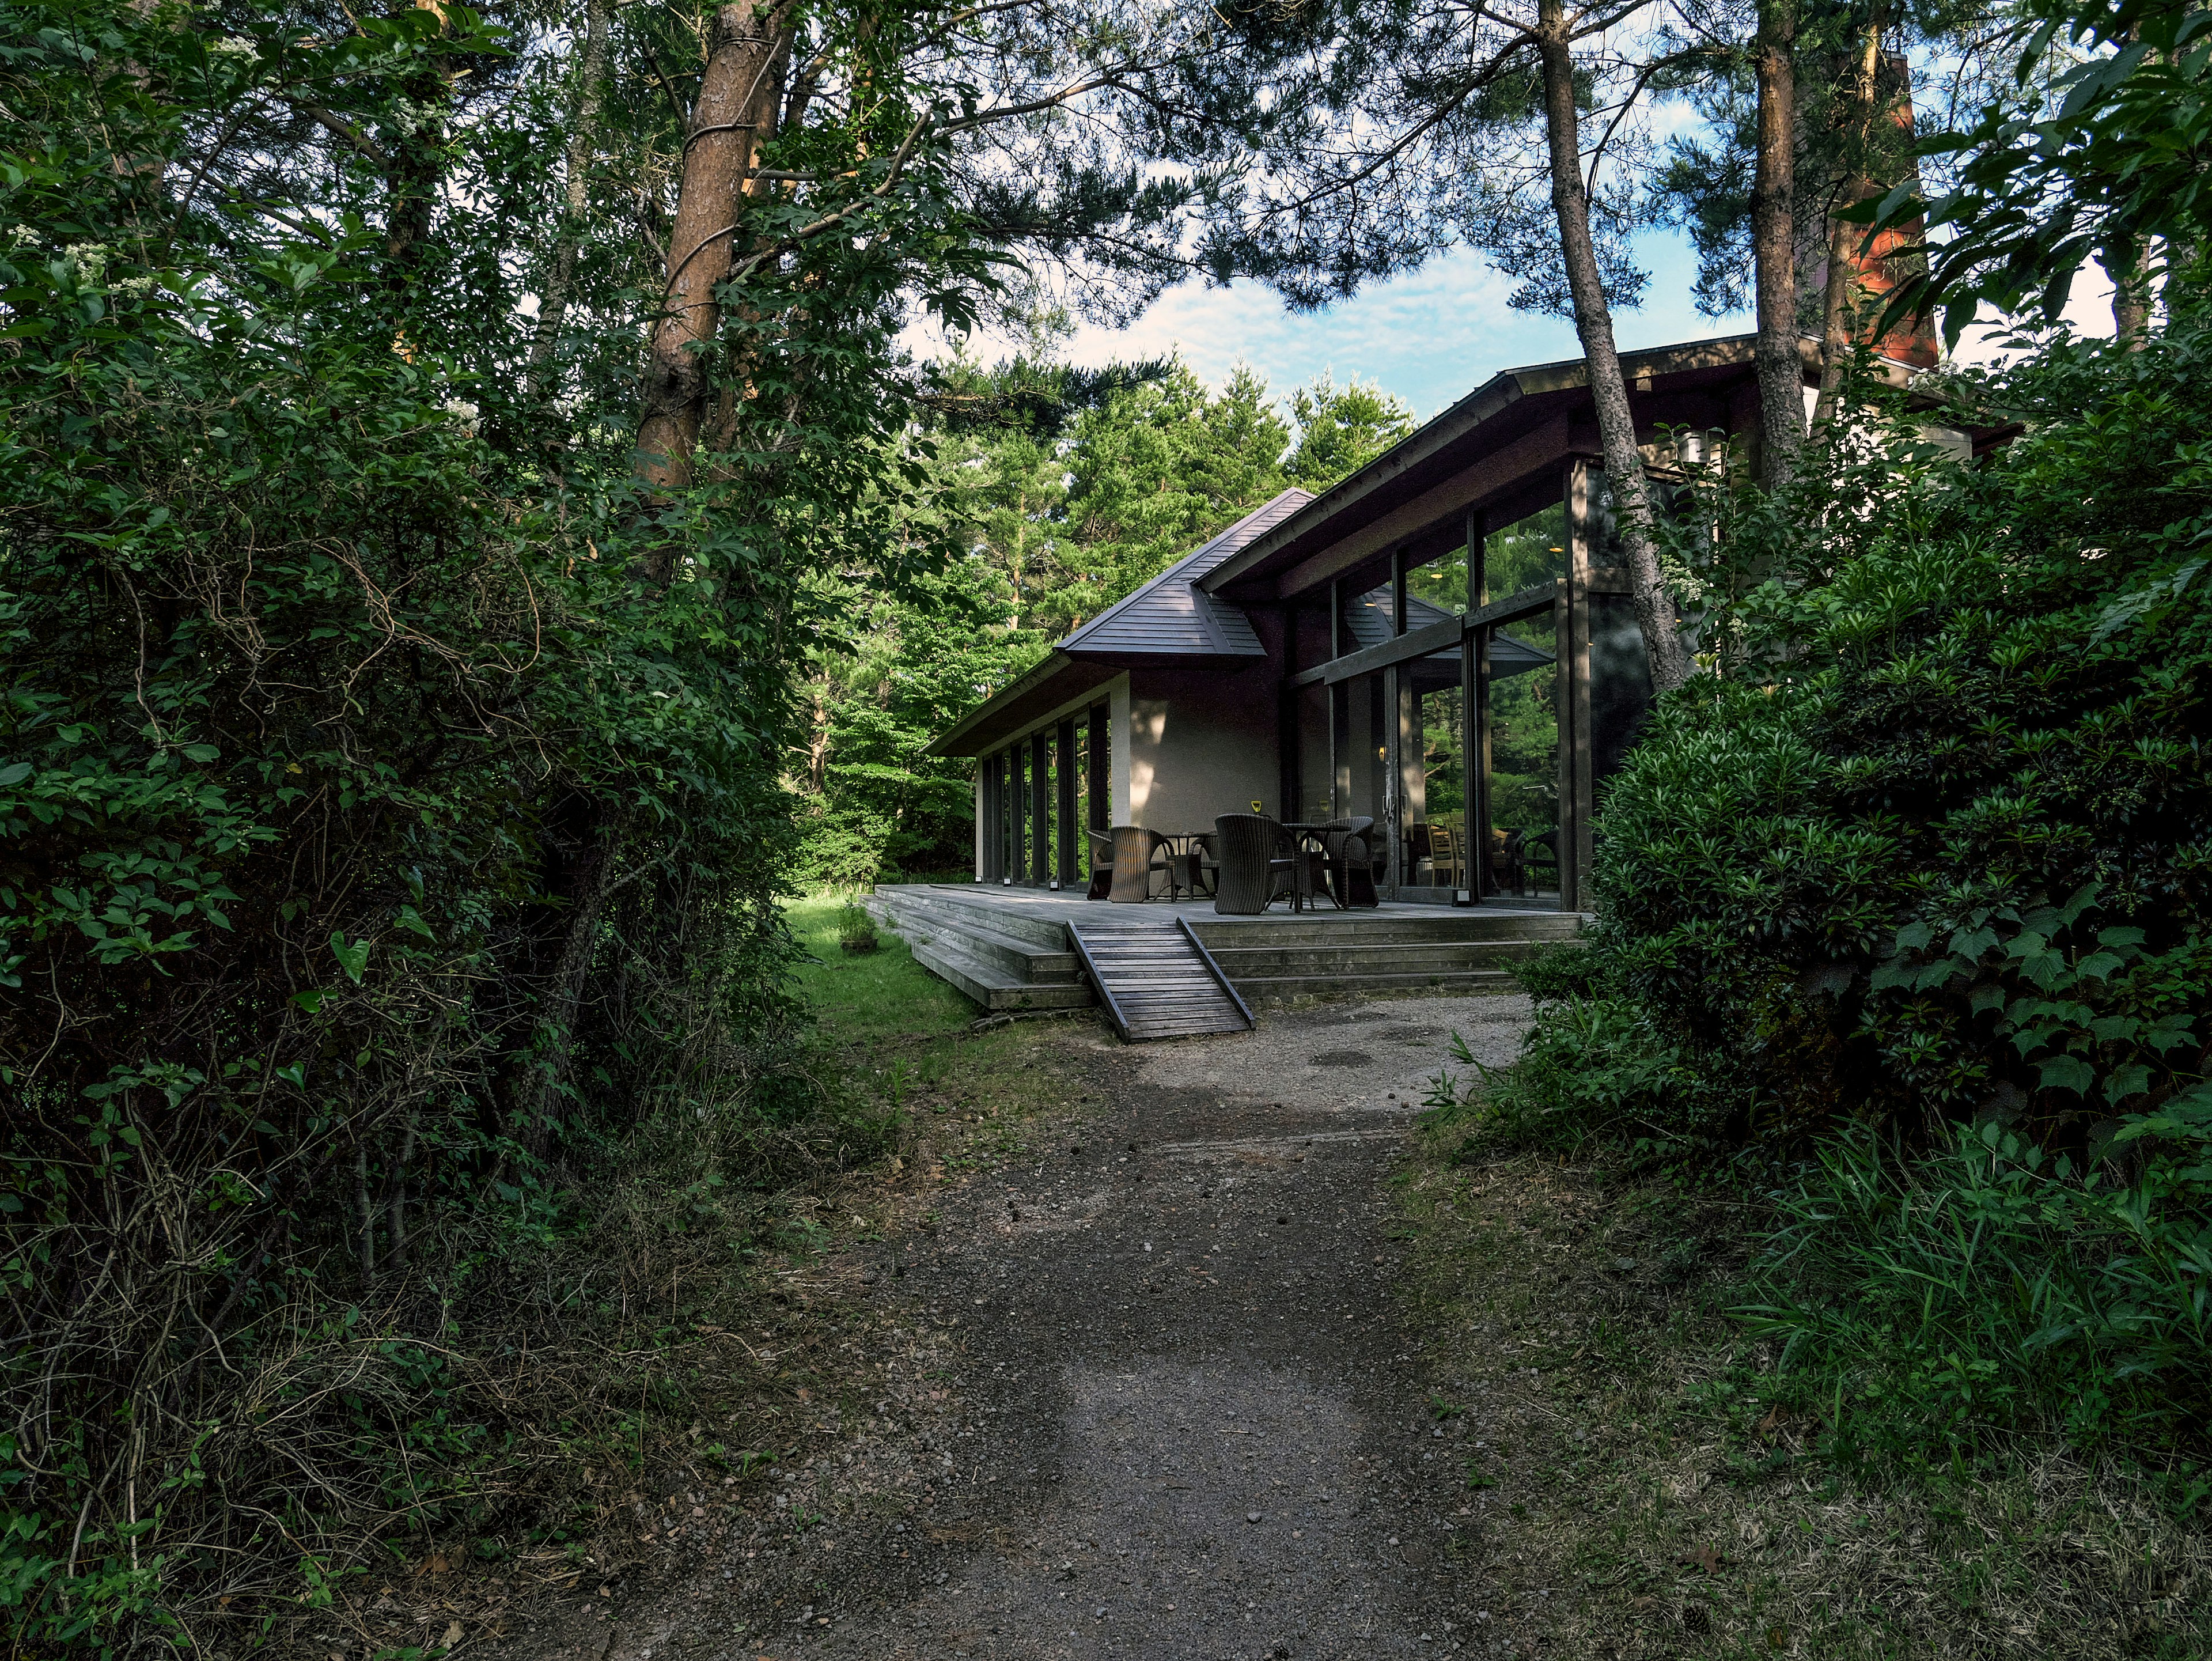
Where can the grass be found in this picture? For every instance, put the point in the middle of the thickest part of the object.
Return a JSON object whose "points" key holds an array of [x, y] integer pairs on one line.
{"points": [[1646, 1500], [865, 1000], [712, 1319]]}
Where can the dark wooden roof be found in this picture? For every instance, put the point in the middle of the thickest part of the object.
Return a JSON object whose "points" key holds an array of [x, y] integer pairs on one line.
{"points": [[1170, 619]]}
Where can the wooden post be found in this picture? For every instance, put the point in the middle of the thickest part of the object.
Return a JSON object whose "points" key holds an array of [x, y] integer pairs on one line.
{"points": [[1475, 727], [986, 805], [1290, 762], [1073, 843], [1099, 778], [1040, 807]]}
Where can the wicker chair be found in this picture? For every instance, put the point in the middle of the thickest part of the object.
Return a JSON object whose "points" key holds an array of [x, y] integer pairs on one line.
{"points": [[1350, 866], [1137, 854], [1256, 855], [1101, 866]]}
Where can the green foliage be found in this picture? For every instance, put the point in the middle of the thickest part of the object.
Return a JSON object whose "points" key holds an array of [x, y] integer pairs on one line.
{"points": [[2110, 164], [1918, 879], [1928, 1307], [385, 859]]}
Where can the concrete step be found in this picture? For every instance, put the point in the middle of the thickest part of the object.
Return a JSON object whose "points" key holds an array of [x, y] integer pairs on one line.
{"points": [[1276, 989], [991, 986], [1241, 963]]}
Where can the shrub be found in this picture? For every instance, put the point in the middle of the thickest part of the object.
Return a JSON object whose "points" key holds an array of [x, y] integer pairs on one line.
{"points": [[856, 929], [1916, 883]]}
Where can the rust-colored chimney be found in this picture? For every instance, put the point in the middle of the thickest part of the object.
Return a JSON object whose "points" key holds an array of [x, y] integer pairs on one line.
{"points": [[1879, 271]]}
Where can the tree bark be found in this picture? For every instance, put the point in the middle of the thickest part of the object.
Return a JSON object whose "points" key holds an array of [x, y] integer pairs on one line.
{"points": [[583, 120], [2131, 299], [1838, 300], [735, 109], [1623, 462], [1774, 246]]}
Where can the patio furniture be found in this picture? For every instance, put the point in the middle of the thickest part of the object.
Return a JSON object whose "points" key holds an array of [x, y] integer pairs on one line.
{"points": [[1255, 854], [1444, 857], [1101, 866], [1523, 850], [1351, 867], [1138, 853]]}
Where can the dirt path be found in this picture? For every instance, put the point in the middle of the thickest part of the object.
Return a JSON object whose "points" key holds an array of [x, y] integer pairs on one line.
{"points": [[1144, 1396]]}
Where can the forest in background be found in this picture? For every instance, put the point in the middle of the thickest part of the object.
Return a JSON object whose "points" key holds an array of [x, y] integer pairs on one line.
{"points": [[1066, 493]]}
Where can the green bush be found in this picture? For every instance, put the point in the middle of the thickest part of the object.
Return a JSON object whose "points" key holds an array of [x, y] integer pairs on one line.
{"points": [[1923, 863]]}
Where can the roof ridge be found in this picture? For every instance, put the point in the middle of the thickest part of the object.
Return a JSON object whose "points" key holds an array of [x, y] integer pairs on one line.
{"points": [[1282, 502]]}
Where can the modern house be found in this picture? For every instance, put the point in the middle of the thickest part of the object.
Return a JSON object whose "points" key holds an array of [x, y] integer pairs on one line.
{"points": [[1443, 643]]}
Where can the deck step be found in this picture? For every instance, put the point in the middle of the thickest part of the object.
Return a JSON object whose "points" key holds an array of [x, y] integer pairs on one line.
{"points": [[990, 985], [1159, 982], [1023, 958]]}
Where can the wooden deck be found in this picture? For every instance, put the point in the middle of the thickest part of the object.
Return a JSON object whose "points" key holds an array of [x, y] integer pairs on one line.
{"points": [[1011, 948]]}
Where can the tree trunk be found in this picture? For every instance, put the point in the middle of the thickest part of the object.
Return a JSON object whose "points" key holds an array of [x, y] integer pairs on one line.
{"points": [[561, 275], [735, 107], [1624, 463], [1838, 301], [1774, 246], [2131, 298]]}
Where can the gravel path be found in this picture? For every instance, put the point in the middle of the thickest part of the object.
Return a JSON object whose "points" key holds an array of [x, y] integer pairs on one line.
{"points": [[1182, 1418]]}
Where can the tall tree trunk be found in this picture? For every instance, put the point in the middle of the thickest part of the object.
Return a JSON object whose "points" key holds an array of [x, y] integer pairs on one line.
{"points": [[1838, 300], [1774, 245], [1623, 462], [2131, 298], [417, 169], [736, 104], [583, 121]]}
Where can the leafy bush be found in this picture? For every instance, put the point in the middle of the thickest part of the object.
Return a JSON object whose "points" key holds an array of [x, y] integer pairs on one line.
{"points": [[856, 929], [1917, 883], [383, 855], [1934, 840]]}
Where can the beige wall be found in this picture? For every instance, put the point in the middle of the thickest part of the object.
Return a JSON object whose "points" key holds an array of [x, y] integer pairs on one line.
{"points": [[1198, 746]]}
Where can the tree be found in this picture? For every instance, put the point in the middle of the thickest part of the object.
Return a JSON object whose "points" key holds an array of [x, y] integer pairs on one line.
{"points": [[1384, 134], [1341, 430], [2106, 163]]}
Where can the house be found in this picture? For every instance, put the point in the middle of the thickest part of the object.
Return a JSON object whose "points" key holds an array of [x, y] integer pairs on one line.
{"points": [[1443, 640]]}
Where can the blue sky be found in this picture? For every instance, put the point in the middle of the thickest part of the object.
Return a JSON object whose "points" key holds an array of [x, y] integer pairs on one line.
{"points": [[1434, 335], [1431, 335]]}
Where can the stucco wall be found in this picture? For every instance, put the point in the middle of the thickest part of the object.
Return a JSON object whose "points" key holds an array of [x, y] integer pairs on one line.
{"points": [[1200, 745]]}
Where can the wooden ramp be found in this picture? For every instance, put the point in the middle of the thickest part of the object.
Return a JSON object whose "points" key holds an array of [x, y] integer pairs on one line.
{"points": [[1157, 981]]}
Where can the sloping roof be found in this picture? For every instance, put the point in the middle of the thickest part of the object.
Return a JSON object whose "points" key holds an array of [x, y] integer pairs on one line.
{"points": [[1169, 620], [1171, 616]]}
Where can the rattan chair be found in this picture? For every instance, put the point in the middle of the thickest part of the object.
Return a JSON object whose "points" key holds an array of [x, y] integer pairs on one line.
{"points": [[1101, 866], [1350, 865], [1256, 855], [1137, 854]]}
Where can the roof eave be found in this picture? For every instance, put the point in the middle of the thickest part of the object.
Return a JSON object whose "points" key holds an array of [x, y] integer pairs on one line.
{"points": [[1486, 403]]}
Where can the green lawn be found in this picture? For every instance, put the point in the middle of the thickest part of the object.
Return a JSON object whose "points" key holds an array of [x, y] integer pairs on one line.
{"points": [[864, 999]]}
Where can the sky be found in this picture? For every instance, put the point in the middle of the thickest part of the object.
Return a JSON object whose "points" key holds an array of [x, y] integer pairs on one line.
{"points": [[1434, 335]]}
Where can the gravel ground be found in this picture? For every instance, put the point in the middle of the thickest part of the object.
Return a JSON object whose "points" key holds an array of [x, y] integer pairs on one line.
{"points": [[1144, 1395]]}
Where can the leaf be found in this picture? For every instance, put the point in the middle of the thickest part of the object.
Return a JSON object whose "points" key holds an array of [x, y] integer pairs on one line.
{"points": [[14, 773], [412, 920], [352, 955], [2067, 1073], [2126, 1081]]}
